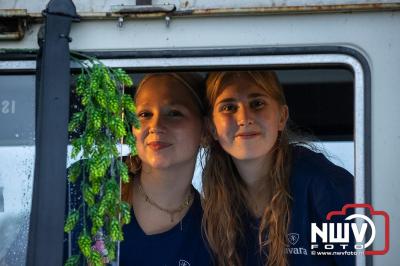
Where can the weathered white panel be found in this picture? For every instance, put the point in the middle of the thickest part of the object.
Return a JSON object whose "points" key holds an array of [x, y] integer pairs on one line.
{"points": [[278, 3], [36, 6], [375, 35]]}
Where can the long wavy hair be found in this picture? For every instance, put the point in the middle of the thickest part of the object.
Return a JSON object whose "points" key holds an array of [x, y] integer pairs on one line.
{"points": [[191, 81], [225, 193]]}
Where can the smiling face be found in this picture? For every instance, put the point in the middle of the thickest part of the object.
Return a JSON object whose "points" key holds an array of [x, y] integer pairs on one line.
{"points": [[170, 123], [246, 119]]}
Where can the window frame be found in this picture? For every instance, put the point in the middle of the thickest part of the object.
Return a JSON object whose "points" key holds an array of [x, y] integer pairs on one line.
{"points": [[256, 57]]}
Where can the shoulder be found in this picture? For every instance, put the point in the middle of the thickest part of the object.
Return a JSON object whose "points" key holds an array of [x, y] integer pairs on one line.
{"points": [[316, 168], [327, 185]]}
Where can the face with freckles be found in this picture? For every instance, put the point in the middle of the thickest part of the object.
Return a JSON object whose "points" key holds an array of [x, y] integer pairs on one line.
{"points": [[246, 120], [170, 123]]}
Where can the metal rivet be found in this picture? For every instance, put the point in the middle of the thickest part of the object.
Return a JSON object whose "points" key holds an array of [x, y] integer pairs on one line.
{"points": [[69, 39], [120, 22], [167, 20]]}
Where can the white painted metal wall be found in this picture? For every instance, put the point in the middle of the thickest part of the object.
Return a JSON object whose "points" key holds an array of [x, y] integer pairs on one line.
{"points": [[36, 6], [375, 35]]}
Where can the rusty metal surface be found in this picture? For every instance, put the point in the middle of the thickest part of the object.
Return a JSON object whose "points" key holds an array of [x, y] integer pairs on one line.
{"points": [[12, 24], [11, 36], [238, 11], [21, 17], [8, 13], [300, 9], [140, 9], [95, 6], [115, 11]]}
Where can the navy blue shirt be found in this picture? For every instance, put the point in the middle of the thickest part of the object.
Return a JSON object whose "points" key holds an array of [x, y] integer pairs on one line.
{"points": [[317, 187], [182, 245]]}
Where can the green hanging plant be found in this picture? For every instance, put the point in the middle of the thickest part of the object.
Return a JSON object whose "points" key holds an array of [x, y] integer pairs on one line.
{"points": [[106, 119]]}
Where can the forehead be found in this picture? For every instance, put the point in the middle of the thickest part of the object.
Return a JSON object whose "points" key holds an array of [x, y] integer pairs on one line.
{"points": [[164, 89], [240, 86]]}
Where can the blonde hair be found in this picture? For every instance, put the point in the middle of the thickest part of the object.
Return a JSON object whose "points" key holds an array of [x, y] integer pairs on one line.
{"points": [[195, 85], [191, 81], [225, 192]]}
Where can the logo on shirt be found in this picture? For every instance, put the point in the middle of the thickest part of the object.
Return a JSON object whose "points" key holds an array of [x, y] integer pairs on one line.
{"points": [[293, 239], [336, 235], [183, 263]]}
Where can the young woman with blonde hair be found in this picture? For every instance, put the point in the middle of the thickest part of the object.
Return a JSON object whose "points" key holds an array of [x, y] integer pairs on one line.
{"points": [[262, 190], [166, 213]]}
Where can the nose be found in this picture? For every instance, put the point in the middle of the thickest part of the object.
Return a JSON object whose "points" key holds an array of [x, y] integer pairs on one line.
{"points": [[156, 124], [244, 117]]}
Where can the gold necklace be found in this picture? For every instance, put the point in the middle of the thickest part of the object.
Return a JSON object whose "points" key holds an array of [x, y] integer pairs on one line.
{"points": [[187, 202]]}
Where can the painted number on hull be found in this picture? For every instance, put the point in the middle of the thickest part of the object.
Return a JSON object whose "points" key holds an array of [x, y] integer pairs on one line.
{"points": [[7, 107]]}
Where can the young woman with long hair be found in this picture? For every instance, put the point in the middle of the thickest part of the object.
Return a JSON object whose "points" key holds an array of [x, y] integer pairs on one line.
{"points": [[262, 190], [166, 210]]}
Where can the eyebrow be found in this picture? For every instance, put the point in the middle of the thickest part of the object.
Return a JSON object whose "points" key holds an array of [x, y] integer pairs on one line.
{"points": [[226, 100], [174, 104], [251, 95], [254, 95]]}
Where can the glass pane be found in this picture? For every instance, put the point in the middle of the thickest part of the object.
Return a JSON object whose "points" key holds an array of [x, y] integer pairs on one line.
{"points": [[17, 154], [340, 153]]}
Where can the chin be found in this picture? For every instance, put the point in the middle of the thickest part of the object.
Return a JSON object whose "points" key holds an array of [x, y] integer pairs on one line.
{"points": [[158, 163], [245, 156]]}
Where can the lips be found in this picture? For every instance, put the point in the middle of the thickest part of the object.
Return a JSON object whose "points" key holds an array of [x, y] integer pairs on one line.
{"points": [[247, 135], [158, 145]]}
